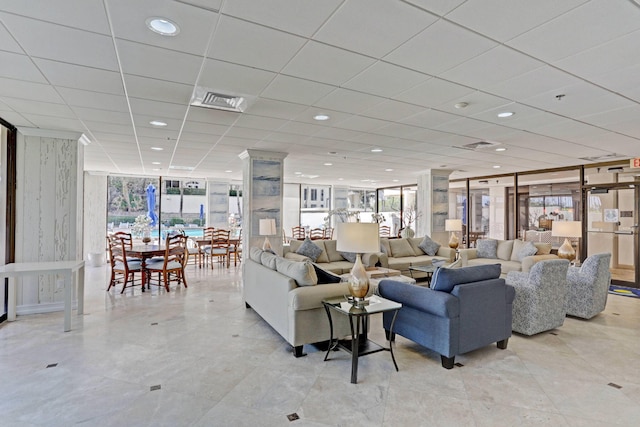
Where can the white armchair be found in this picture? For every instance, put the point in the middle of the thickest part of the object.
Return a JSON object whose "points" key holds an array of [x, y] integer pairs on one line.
{"points": [[588, 286]]}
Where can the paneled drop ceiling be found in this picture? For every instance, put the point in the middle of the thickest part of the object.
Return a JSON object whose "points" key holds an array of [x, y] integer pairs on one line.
{"points": [[418, 79]]}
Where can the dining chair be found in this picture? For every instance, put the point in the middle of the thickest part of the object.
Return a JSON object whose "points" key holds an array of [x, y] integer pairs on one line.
{"points": [[207, 234], [385, 231], [298, 233], [171, 267], [328, 233], [127, 239], [235, 248], [316, 234], [122, 269], [220, 246], [193, 251]]}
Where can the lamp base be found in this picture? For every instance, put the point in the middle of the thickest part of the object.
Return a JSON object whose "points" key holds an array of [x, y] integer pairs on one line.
{"points": [[358, 281], [266, 245], [453, 241], [566, 251]]}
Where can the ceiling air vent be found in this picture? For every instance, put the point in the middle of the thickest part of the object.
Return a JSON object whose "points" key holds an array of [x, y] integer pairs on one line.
{"points": [[208, 99], [604, 158], [479, 145]]}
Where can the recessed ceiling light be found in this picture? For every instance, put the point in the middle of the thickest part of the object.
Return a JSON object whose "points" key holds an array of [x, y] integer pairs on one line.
{"points": [[461, 105], [162, 26], [157, 148], [496, 166], [156, 163], [228, 171], [501, 149], [376, 150], [157, 123], [321, 117], [388, 170], [328, 164], [395, 180], [298, 173], [506, 114]]}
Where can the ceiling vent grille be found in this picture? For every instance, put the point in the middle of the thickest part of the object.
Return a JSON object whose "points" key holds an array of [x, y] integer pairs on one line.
{"points": [[605, 158], [208, 99], [479, 145]]}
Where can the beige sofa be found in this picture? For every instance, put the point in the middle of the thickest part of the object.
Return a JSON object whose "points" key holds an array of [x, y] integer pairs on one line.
{"points": [[271, 288], [400, 254], [330, 259], [507, 256]]}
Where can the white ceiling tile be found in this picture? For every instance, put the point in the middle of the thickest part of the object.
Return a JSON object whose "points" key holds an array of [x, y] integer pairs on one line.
{"points": [[232, 79], [28, 90], [477, 103], [276, 109], [62, 43], [7, 43], [257, 122], [348, 101], [79, 77], [357, 26], [196, 24], [17, 66], [302, 17], [209, 115], [360, 123], [97, 115], [436, 57], [290, 89], [494, 66], [57, 123], [86, 98], [157, 109], [543, 79], [392, 110], [317, 62], [385, 80], [158, 90], [434, 92], [86, 14], [253, 45], [438, 7], [430, 118], [584, 27], [42, 108], [16, 119]]}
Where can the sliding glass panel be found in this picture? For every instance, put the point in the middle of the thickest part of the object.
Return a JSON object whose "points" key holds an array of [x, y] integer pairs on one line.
{"points": [[127, 200]]}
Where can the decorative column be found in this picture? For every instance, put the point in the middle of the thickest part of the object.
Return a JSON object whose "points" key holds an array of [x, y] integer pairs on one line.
{"points": [[48, 211], [94, 216], [262, 196], [433, 204], [218, 204]]}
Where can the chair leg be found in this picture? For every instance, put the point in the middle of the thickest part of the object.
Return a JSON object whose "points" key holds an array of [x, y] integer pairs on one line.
{"points": [[447, 362], [503, 344]]}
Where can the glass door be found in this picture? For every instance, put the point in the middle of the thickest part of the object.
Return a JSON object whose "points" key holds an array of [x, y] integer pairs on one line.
{"points": [[612, 226]]}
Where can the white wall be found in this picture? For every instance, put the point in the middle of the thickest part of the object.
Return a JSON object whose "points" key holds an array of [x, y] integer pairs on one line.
{"points": [[95, 214]]}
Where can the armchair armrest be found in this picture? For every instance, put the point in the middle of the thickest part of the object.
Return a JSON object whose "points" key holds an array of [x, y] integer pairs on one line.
{"points": [[447, 252], [383, 259], [530, 261], [441, 304]]}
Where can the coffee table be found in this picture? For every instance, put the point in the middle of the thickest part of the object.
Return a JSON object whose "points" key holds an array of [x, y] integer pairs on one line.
{"points": [[359, 344], [428, 269]]}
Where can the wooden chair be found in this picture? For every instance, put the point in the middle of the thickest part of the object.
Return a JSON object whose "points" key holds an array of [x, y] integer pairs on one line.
{"points": [[385, 231], [172, 266], [220, 246], [236, 249], [298, 233], [120, 265], [193, 251], [127, 239], [207, 235], [316, 234], [328, 233]]}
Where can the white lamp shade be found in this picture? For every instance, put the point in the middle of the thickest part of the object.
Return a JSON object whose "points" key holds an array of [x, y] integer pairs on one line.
{"points": [[358, 237], [566, 229], [268, 227], [453, 225]]}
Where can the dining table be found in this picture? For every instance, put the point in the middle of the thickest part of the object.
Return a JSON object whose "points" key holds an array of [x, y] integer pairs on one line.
{"points": [[145, 252]]}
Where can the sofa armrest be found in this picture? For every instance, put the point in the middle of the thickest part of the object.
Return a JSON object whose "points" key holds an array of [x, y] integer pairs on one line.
{"points": [[383, 259], [467, 254], [370, 259], [441, 304], [296, 257], [310, 297], [529, 261], [447, 252]]}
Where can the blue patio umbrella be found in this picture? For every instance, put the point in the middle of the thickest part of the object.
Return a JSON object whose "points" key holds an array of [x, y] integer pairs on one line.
{"points": [[201, 213], [151, 204]]}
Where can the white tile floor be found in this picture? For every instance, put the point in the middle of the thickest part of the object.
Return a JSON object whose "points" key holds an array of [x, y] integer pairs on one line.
{"points": [[219, 364]]}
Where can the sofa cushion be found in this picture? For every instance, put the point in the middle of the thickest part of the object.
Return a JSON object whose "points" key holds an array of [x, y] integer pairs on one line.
{"points": [[325, 276], [349, 256], [384, 247], [487, 248], [543, 248], [255, 254], [428, 246], [401, 248], [504, 249], [528, 249], [517, 245], [332, 253], [445, 279], [268, 260], [302, 272], [309, 249]]}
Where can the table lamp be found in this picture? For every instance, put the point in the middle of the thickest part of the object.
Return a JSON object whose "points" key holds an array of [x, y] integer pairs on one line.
{"points": [[566, 229], [358, 237], [453, 225], [267, 228]]}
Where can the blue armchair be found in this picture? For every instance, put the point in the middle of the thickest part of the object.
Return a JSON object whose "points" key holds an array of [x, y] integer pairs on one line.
{"points": [[588, 286], [465, 309]]}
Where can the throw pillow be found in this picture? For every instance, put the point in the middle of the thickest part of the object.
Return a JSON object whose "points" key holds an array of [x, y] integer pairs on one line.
{"points": [[302, 272], [527, 250], [428, 246], [401, 248], [349, 256], [309, 249], [325, 276], [487, 248], [384, 246]]}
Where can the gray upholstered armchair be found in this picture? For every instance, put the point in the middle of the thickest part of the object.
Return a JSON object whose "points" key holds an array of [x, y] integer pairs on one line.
{"points": [[540, 296], [465, 309], [588, 286]]}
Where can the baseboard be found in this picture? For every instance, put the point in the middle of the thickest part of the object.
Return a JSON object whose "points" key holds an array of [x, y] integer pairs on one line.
{"points": [[23, 310]]}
